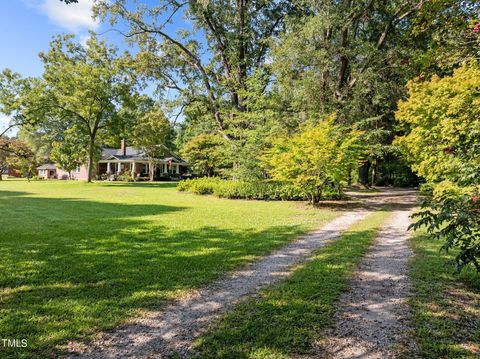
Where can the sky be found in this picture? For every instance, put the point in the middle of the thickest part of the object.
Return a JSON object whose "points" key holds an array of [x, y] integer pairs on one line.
{"points": [[27, 27]]}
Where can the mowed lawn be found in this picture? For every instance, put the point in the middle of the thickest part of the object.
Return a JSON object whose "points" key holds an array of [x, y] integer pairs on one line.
{"points": [[76, 258]]}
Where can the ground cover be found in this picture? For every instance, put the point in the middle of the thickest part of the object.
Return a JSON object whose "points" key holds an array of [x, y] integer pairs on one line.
{"points": [[79, 258]]}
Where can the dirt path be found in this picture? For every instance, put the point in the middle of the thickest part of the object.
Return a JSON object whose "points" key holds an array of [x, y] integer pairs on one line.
{"points": [[175, 327], [371, 317]]}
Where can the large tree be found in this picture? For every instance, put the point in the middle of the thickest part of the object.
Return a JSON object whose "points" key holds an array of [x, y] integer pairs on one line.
{"points": [[84, 87], [353, 57], [208, 62]]}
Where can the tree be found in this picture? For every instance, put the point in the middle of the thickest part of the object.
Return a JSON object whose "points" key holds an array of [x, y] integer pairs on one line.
{"points": [[236, 36], [84, 88], [17, 99], [70, 153], [318, 156], [5, 153], [442, 140], [442, 125], [22, 158], [150, 134], [206, 154], [354, 58]]}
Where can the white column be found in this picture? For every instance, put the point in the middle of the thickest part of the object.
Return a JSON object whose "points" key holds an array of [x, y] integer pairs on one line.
{"points": [[119, 168], [108, 167], [133, 170], [177, 169]]}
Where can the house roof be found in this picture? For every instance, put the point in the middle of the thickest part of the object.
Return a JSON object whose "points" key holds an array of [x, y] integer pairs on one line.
{"points": [[132, 153], [47, 166]]}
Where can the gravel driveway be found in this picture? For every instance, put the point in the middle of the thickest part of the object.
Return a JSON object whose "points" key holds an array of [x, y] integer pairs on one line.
{"points": [[174, 328]]}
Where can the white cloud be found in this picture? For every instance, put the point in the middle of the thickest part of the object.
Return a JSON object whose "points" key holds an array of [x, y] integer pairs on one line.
{"points": [[84, 39], [72, 17]]}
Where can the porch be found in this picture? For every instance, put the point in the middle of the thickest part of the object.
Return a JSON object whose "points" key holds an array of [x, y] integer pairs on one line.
{"points": [[140, 169]]}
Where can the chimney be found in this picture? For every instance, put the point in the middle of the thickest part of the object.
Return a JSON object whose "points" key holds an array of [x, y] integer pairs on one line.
{"points": [[123, 147]]}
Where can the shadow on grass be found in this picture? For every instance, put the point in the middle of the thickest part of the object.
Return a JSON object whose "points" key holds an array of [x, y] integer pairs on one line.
{"points": [[445, 306], [72, 266], [145, 184]]}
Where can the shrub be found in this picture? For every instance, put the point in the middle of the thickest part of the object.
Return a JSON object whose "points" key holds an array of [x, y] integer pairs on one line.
{"points": [[125, 178], [258, 190], [316, 158], [443, 121]]}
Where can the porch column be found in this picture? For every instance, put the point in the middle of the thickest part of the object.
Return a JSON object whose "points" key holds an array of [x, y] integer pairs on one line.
{"points": [[119, 167], [108, 167], [133, 169], [165, 168], [177, 168]]}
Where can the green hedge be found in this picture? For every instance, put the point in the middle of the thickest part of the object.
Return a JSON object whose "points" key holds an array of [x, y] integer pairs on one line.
{"points": [[258, 190]]}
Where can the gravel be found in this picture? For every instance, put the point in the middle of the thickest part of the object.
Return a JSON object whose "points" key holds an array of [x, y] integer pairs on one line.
{"points": [[372, 317], [172, 330]]}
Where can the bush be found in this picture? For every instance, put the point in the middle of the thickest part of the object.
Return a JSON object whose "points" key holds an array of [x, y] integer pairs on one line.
{"points": [[452, 214], [125, 178], [258, 190]]}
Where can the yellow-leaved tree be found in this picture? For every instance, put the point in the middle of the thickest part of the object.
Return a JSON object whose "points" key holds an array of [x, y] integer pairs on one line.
{"points": [[442, 142], [317, 157]]}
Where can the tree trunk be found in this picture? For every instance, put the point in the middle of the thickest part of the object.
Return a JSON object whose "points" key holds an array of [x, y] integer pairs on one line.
{"points": [[91, 150], [363, 173]]}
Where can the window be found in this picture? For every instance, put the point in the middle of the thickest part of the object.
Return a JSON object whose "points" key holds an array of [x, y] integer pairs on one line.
{"points": [[77, 170]]}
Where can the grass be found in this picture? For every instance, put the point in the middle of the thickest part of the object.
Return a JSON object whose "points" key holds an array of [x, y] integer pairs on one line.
{"points": [[286, 319], [76, 258], [445, 306]]}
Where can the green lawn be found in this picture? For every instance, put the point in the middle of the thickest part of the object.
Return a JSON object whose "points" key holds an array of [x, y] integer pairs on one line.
{"points": [[76, 258], [445, 306], [287, 319]]}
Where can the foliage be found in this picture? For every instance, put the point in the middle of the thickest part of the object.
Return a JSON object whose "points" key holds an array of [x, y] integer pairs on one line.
{"points": [[235, 34], [206, 154], [443, 126], [258, 190], [71, 152], [21, 158], [442, 143], [150, 134], [82, 87], [452, 214], [315, 158], [101, 254]]}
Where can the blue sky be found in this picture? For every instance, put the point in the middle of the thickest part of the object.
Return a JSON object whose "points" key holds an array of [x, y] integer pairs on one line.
{"points": [[27, 26]]}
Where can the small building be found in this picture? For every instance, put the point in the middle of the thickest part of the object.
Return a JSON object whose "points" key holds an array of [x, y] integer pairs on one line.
{"points": [[52, 171]]}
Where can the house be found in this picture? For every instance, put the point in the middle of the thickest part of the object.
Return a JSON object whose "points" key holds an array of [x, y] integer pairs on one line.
{"points": [[52, 171], [125, 160], [133, 161], [10, 172]]}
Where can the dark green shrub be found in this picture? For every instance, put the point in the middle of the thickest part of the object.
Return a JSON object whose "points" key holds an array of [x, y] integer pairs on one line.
{"points": [[258, 190]]}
